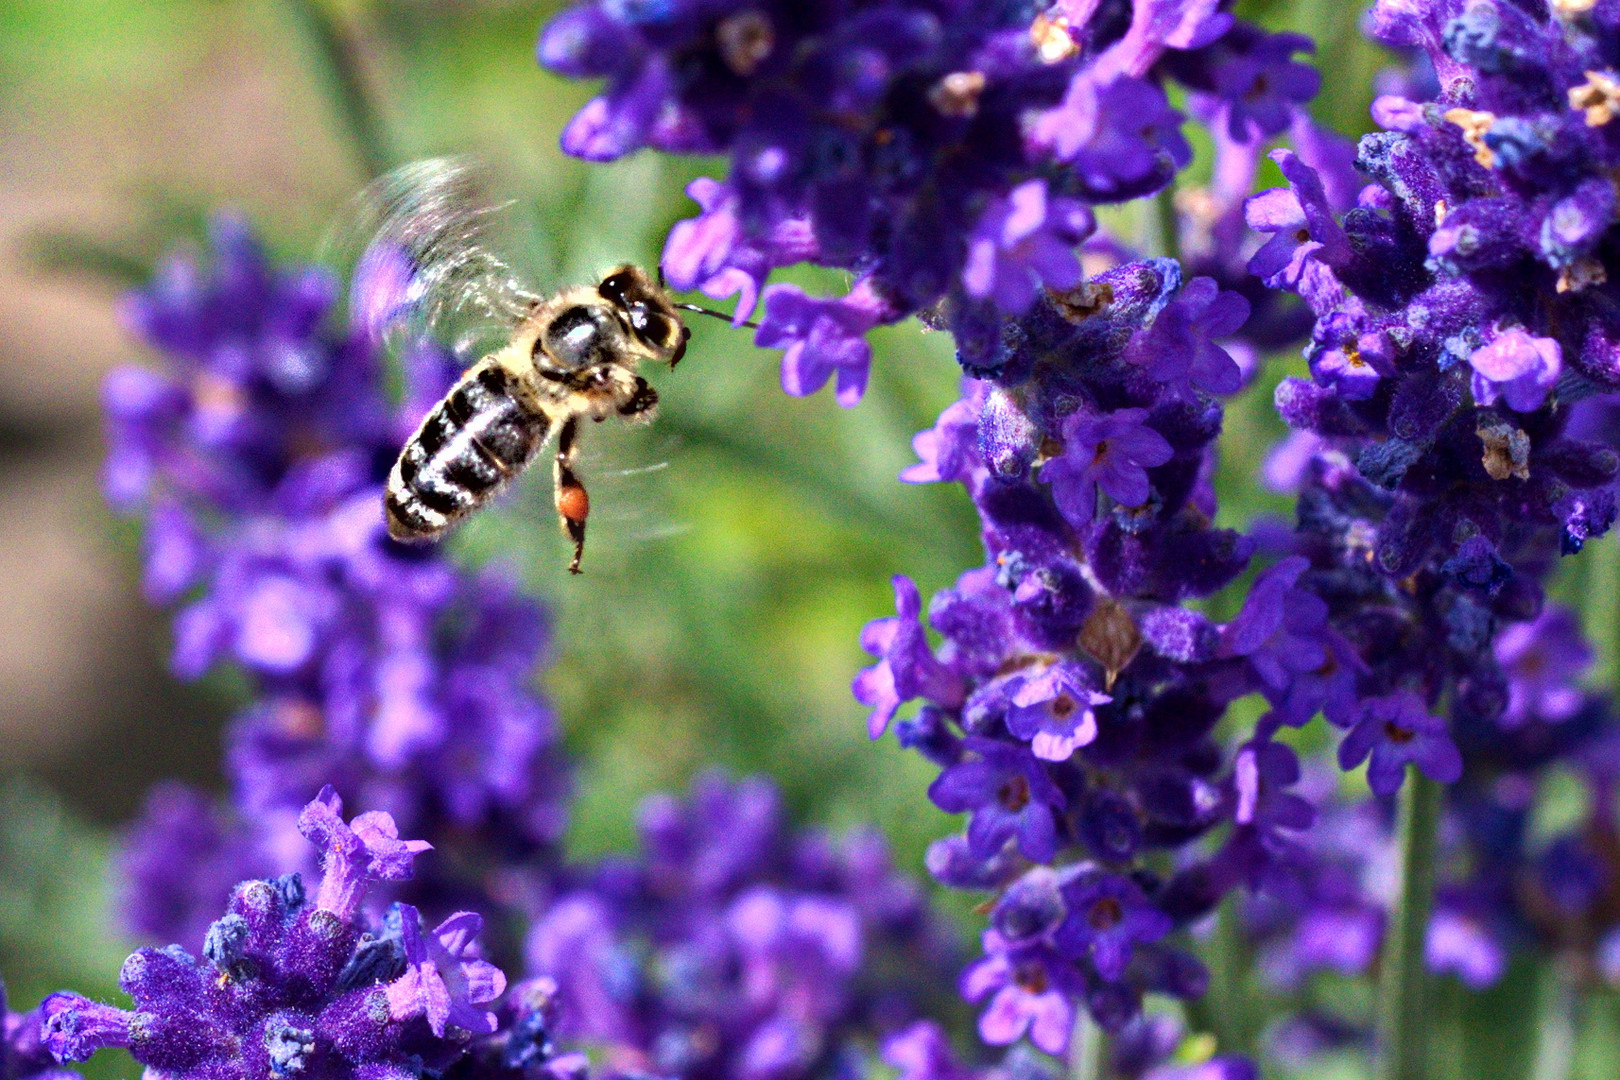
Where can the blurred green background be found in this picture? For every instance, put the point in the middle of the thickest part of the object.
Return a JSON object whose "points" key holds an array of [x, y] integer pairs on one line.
{"points": [[737, 546]]}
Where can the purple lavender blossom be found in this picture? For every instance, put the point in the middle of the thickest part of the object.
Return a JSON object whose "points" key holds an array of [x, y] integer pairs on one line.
{"points": [[1542, 660], [907, 668], [1302, 663], [1111, 452], [1302, 225], [1517, 368], [1030, 989], [922, 1052], [354, 854], [1255, 75], [949, 451], [1108, 916], [288, 985], [1180, 348], [1053, 711], [441, 981], [1262, 772], [1393, 731], [1459, 942], [1008, 795], [1023, 243], [1119, 134], [824, 339], [709, 252]]}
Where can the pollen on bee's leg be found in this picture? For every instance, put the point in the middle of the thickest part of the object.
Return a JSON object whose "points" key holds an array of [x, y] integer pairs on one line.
{"points": [[573, 504]]}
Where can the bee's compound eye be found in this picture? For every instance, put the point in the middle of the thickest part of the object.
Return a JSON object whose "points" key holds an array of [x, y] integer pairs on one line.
{"points": [[653, 328], [575, 337], [614, 287]]}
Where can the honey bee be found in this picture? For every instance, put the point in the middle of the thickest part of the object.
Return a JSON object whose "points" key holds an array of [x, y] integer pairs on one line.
{"points": [[566, 358]]}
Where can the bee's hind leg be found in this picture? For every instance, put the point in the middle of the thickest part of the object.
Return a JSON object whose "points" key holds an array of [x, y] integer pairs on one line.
{"points": [[573, 504]]}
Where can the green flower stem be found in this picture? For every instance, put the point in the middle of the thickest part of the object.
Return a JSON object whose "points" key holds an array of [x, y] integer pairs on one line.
{"points": [[1230, 1007], [330, 51], [1555, 1026], [1403, 998], [1085, 1047], [1169, 226]]}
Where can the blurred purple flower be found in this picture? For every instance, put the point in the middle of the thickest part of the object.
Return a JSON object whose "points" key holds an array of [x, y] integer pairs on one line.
{"points": [[1024, 242]]}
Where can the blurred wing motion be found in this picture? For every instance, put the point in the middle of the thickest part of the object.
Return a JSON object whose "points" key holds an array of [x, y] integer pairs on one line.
{"points": [[426, 266]]}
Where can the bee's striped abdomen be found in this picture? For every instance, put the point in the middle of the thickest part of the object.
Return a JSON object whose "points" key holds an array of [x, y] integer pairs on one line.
{"points": [[474, 439]]}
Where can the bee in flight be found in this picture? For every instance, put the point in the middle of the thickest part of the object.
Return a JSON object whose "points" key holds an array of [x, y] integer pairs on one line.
{"points": [[568, 357]]}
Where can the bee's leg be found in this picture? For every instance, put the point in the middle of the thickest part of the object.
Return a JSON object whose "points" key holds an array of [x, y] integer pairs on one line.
{"points": [[573, 505], [641, 403]]}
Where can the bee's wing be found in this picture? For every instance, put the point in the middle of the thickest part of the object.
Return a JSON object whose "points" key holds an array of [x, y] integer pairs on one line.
{"points": [[425, 266]]}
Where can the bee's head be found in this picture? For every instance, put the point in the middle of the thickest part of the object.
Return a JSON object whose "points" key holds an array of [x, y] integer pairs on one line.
{"points": [[653, 318]]}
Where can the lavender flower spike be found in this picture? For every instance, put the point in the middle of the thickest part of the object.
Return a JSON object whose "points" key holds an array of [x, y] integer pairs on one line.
{"points": [[1106, 386], [365, 850], [288, 987]]}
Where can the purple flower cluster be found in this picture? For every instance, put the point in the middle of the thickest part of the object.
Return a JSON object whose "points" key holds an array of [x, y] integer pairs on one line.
{"points": [[940, 150], [1463, 303], [1072, 702], [293, 984], [1502, 886], [734, 948], [256, 455], [1460, 355]]}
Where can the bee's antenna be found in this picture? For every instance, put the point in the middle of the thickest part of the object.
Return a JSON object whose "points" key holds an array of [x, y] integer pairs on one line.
{"points": [[662, 284], [716, 314]]}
